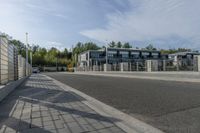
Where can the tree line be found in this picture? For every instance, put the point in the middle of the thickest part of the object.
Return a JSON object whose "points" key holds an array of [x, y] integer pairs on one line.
{"points": [[53, 56]]}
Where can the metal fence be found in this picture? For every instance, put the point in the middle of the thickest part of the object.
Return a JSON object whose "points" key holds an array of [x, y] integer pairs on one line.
{"points": [[148, 65], [13, 66]]}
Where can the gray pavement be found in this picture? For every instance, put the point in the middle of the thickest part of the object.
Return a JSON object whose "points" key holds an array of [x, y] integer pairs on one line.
{"points": [[39, 105], [170, 106], [188, 76]]}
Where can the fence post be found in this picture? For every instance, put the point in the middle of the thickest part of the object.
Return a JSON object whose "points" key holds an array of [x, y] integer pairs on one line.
{"points": [[177, 66], [164, 65], [148, 65], [122, 67], [107, 67], [197, 63], [154, 65], [137, 66]]}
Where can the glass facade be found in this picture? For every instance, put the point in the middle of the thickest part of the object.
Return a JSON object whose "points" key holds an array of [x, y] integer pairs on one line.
{"points": [[117, 55]]}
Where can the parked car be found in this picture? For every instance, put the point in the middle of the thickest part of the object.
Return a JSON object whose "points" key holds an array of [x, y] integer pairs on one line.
{"points": [[36, 70]]}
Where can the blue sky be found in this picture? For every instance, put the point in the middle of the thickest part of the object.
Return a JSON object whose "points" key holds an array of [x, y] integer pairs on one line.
{"points": [[62, 23]]}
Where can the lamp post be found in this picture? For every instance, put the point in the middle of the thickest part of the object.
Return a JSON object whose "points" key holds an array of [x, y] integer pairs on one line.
{"points": [[106, 56], [26, 52], [31, 57]]}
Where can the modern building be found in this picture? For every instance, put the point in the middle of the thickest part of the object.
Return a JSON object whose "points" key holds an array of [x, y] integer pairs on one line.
{"points": [[185, 60], [116, 56], [129, 59], [183, 55]]}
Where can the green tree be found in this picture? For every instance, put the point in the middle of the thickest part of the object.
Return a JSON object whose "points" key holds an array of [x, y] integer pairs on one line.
{"points": [[112, 44], [20, 46], [119, 45], [127, 45], [150, 47]]}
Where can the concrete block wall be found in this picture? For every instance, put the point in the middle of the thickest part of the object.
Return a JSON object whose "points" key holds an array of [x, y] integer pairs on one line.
{"points": [[3, 60], [23, 67], [20, 73], [15, 63], [10, 62]]}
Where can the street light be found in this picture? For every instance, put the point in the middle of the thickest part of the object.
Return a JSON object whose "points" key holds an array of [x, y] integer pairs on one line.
{"points": [[106, 56], [26, 53]]}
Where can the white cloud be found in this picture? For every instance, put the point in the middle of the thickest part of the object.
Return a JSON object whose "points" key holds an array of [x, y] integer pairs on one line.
{"points": [[152, 20], [50, 44]]}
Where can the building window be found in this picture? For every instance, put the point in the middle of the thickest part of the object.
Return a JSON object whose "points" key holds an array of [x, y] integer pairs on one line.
{"points": [[135, 55], [145, 54], [124, 54], [95, 55], [112, 54], [154, 55]]}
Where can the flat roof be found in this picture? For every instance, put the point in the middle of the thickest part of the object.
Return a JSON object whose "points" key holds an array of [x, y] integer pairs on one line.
{"points": [[184, 53], [128, 49]]}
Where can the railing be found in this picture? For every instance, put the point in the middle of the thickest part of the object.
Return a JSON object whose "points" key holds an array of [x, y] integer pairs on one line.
{"points": [[147, 65], [13, 66]]}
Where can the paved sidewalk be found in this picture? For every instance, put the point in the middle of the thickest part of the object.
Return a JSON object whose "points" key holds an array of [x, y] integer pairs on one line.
{"points": [[41, 106]]}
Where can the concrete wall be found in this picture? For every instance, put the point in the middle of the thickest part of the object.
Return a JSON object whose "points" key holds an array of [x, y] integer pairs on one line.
{"points": [[3, 60], [16, 75], [10, 62], [21, 66]]}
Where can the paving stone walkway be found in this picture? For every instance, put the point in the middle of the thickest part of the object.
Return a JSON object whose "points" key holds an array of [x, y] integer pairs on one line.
{"points": [[40, 106]]}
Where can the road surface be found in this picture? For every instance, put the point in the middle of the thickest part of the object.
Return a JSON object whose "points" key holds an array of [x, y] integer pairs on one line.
{"points": [[170, 106]]}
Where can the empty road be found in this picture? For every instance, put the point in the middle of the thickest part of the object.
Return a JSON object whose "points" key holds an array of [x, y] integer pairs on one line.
{"points": [[173, 107]]}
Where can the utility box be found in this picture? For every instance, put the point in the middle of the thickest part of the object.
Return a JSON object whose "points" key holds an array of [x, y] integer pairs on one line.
{"points": [[3, 60]]}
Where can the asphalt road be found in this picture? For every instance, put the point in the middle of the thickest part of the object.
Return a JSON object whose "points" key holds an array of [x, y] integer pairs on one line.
{"points": [[173, 107]]}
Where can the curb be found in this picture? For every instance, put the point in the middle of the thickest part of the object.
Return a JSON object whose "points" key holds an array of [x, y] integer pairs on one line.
{"points": [[126, 122], [5, 90]]}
